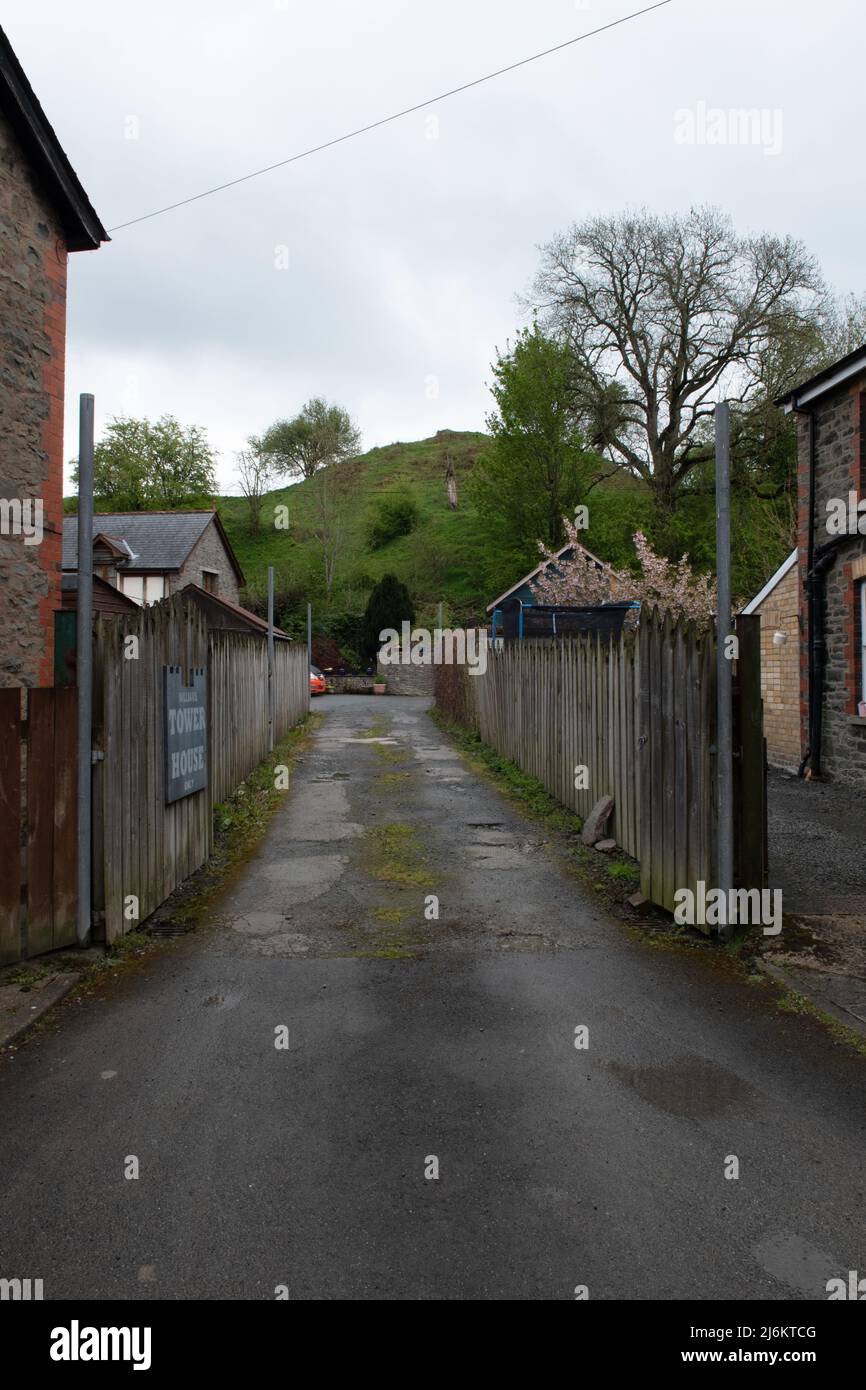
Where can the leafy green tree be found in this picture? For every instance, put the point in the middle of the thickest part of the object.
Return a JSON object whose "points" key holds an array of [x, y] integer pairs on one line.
{"points": [[320, 435], [537, 468], [389, 605], [141, 466]]}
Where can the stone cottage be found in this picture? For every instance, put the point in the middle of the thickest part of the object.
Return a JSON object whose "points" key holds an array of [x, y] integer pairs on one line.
{"points": [[44, 215], [151, 555], [831, 431]]}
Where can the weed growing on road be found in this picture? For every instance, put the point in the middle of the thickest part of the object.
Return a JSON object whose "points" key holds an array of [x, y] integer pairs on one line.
{"points": [[392, 779], [391, 916], [395, 856]]}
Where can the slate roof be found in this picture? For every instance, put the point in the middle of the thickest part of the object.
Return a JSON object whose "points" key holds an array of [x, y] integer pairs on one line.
{"points": [[162, 541], [19, 104]]}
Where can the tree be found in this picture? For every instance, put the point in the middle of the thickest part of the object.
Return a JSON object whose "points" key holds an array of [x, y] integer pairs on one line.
{"points": [[665, 316], [578, 579], [141, 466], [321, 434], [538, 466], [389, 605], [329, 499], [255, 473]]}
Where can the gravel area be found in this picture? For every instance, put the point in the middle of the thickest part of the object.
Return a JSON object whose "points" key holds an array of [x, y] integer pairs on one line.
{"points": [[816, 845]]}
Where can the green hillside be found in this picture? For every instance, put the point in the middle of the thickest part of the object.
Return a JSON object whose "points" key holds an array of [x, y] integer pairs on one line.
{"points": [[446, 557], [438, 559]]}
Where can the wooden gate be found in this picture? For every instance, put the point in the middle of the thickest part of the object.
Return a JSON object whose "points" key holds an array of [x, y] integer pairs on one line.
{"points": [[38, 820], [679, 759]]}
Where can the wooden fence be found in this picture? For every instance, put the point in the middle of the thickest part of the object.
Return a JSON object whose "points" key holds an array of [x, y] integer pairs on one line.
{"points": [[38, 819], [238, 699], [638, 714], [142, 847]]}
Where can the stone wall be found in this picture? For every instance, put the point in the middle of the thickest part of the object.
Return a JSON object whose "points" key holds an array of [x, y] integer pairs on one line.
{"points": [[840, 444], [407, 680], [400, 680], [208, 553], [32, 344], [780, 672]]}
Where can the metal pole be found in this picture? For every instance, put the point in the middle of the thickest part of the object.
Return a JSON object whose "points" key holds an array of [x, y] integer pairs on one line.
{"points": [[309, 634], [271, 691], [84, 661], [724, 672]]}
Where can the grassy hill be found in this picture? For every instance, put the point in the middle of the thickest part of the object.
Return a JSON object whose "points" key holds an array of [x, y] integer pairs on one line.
{"points": [[437, 559], [443, 558], [447, 557]]}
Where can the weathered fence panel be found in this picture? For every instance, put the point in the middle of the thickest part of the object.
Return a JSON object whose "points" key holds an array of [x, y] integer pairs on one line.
{"points": [[556, 707], [146, 847], [638, 712], [238, 699], [10, 825], [677, 738], [143, 846], [38, 820]]}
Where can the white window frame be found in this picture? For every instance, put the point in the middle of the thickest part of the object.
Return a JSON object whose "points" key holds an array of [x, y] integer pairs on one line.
{"points": [[125, 583]]}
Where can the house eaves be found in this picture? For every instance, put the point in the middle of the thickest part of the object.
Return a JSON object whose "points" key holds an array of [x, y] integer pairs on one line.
{"points": [[569, 545], [755, 603], [82, 228], [822, 383]]}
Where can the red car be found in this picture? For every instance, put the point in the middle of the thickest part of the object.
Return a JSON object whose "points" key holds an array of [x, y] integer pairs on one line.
{"points": [[318, 684]]}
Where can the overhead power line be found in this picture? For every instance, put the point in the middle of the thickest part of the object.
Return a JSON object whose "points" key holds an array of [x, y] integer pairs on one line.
{"points": [[386, 120]]}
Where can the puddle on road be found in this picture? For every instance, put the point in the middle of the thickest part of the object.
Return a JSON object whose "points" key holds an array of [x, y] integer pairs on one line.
{"points": [[689, 1086]]}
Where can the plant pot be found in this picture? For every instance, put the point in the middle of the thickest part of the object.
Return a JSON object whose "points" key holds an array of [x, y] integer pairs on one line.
{"points": [[379, 688]]}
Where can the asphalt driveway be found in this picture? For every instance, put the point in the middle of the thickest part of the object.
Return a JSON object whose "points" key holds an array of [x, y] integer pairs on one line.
{"points": [[431, 1131]]}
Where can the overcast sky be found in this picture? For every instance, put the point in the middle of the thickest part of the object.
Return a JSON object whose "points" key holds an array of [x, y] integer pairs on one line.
{"points": [[405, 247]]}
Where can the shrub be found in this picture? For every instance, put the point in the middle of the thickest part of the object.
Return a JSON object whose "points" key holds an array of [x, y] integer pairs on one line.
{"points": [[396, 515]]}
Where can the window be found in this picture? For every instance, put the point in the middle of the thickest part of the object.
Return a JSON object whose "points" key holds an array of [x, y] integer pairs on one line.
{"points": [[863, 642], [143, 588], [211, 580], [133, 586]]}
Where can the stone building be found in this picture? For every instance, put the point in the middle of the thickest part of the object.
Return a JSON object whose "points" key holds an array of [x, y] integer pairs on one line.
{"points": [[831, 433], [152, 555], [778, 607], [44, 215]]}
